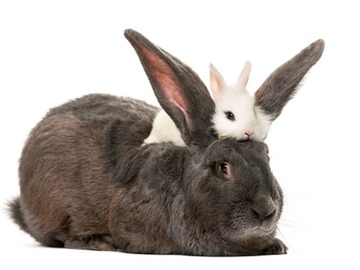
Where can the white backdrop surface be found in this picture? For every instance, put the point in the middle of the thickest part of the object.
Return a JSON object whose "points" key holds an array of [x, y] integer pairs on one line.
{"points": [[53, 51]]}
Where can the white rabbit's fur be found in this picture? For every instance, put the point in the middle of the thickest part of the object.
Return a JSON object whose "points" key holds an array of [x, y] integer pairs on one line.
{"points": [[249, 121], [164, 130]]}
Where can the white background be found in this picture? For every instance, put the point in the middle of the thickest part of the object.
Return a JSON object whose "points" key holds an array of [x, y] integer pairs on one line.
{"points": [[52, 51]]}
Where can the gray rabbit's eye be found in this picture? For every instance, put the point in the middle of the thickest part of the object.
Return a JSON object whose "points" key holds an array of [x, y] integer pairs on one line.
{"points": [[225, 170], [230, 116]]}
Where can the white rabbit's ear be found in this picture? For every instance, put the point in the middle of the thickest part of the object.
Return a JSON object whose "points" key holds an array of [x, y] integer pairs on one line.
{"points": [[179, 90], [244, 76], [282, 84], [217, 82]]}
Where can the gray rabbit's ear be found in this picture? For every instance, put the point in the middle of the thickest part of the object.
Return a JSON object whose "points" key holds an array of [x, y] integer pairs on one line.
{"points": [[282, 84], [179, 90]]}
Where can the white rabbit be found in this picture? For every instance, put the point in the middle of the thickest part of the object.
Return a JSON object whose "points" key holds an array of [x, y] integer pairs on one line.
{"points": [[164, 130], [235, 116]]}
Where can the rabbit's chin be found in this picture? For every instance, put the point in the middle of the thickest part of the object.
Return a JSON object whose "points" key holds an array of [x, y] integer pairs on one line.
{"points": [[259, 231]]}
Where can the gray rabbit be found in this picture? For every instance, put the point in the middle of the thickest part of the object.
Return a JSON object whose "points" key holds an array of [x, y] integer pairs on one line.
{"points": [[88, 182]]}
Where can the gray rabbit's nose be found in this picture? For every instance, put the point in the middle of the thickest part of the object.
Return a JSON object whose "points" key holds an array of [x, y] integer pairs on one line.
{"points": [[264, 208]]}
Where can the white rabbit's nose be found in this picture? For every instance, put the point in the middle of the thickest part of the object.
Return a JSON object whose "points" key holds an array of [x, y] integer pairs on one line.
{"points": [[248, 133]]}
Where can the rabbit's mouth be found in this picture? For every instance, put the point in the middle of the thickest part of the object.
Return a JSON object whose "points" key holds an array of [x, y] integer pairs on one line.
{"points": [[262, 230], [257, 232], [247, 223]]}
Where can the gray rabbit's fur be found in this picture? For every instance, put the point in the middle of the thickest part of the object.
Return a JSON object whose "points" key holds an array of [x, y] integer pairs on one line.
{"points": [[87, 181]]}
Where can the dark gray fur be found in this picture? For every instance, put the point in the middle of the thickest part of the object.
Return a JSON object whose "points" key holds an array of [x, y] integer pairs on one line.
{"points": [[87, 182], [282, 84]]}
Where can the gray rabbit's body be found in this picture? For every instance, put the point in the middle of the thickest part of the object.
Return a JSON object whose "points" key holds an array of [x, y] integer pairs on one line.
{"points": [[128, 197], [87, 181]]}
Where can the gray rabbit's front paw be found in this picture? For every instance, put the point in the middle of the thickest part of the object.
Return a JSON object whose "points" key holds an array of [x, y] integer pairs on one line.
{"points": [[276, 247]]}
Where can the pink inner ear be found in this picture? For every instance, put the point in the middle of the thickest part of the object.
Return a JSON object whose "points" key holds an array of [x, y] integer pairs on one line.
{"points": [[216, 81], [215, 88], [163, 75], [244, 75], [170, 89], [171, 92]]}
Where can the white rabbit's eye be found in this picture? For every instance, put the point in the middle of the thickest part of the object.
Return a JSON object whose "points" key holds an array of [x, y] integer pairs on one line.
{"points": [[230, 116], [224, 169]]}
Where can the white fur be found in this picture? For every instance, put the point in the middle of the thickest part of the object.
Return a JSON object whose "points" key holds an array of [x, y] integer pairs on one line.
{"points": [[164, 130], [250, 123], [241, 104], [263, 123]]}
